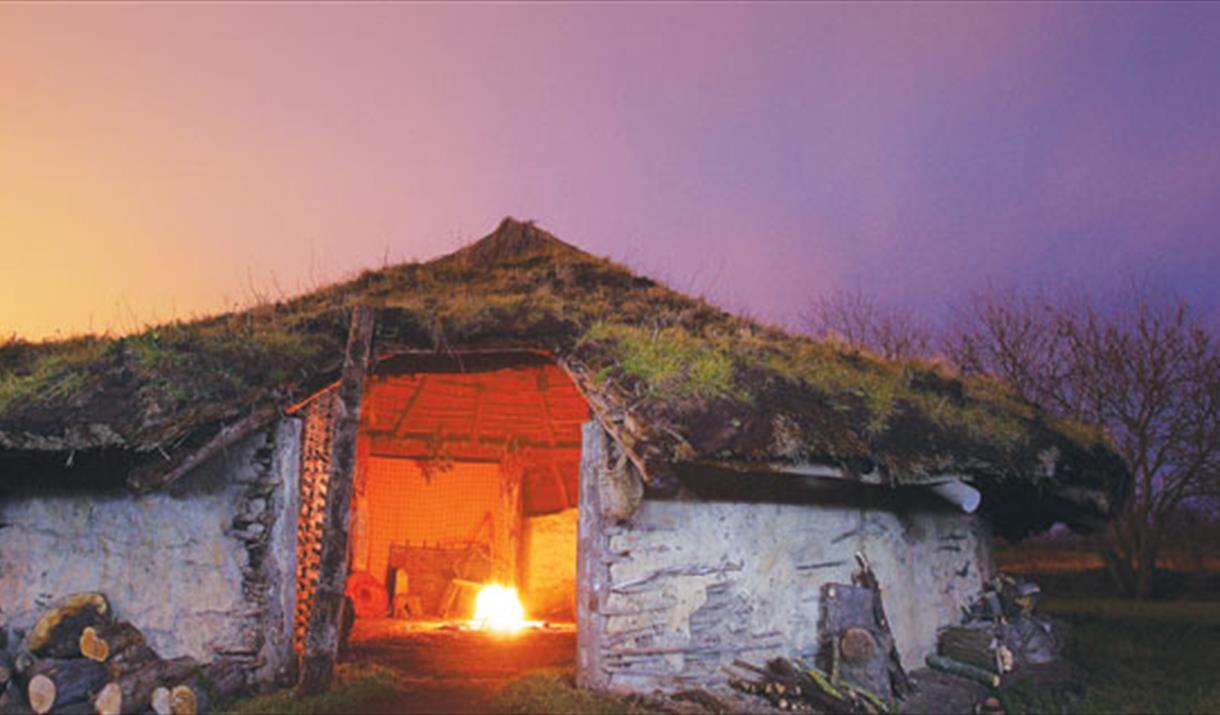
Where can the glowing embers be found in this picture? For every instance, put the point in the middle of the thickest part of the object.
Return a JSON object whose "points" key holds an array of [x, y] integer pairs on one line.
{"points": [[498, 608]]}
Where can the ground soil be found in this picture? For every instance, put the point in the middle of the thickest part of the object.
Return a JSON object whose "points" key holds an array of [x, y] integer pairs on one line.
{"points": [[450, 670]]}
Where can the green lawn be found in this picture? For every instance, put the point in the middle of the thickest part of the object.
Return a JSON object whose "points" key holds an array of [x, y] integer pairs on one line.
{"points": [[1140, 657]]}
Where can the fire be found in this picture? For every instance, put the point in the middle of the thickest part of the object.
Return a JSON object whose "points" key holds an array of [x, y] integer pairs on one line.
{"points": [[499, 609]]}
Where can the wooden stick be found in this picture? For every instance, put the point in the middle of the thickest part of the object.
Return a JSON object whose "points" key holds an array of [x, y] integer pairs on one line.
{"points": [[154, 477]]}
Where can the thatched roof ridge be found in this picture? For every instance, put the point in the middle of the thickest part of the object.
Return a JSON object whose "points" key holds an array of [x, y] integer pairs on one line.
{"points": [[681, 380]]}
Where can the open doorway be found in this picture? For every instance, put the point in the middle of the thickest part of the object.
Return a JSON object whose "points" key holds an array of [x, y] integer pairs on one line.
{"points": [[467, 475]]}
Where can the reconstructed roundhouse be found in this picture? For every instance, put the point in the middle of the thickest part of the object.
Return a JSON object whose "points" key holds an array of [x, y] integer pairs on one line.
{"points": [[678, 481]]}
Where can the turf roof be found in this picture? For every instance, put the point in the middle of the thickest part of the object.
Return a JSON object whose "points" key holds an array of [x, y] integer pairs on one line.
{"points": [[683, 381]]}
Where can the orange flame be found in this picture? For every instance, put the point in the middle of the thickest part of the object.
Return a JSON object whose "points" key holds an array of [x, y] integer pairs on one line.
{"points": [[499, 609]]}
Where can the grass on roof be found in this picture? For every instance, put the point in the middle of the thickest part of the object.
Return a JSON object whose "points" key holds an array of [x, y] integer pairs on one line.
{"points": [[644, 338]]}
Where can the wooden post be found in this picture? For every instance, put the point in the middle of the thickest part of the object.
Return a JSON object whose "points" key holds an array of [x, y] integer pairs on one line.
{"points": [[592, 571], [322, 638], [508, 524]]}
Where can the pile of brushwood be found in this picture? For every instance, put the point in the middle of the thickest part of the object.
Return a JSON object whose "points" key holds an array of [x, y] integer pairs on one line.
{"points": [[1000, 633], [79, 659], [800, 687]]}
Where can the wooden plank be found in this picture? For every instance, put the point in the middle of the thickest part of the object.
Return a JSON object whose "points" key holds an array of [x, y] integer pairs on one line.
{"points": [[322, 638]]}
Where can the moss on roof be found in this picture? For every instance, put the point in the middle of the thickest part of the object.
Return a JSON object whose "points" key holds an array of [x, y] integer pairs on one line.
{"points": [[700, 383]]}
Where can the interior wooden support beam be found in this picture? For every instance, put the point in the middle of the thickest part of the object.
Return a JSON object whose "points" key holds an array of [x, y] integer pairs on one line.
{"points": [[322, 638], [403, 424]]}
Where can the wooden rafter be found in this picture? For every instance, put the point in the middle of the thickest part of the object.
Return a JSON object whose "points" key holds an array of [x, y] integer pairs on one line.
{"points": [[406, 411]]}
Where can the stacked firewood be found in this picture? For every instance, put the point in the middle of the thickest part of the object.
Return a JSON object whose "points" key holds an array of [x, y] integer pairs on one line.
{"points": [[79, 659], [1001, 633]]}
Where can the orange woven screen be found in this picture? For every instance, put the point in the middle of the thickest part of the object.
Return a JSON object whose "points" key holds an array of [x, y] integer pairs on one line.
{"points": [[315, 473], [407, 509]]}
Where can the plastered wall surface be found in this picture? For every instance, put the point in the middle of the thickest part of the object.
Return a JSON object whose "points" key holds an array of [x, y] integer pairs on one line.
{"points": [[694, 585], [201, 568], [550, 565]]}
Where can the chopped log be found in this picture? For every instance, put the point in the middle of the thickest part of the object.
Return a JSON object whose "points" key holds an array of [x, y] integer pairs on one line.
{"points": [[131, 658], [973, 646], [963, 670], [136, 687], [160, 701], [109, 700], [57, 633], [184, 701], [54, 683], [100, 642], [322, 637]]}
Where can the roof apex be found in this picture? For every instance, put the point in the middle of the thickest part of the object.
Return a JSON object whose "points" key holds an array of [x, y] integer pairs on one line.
{"points": [[511, 239]]}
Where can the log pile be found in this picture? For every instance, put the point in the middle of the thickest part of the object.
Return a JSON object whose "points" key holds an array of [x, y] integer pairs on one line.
{"points": [[79, 659], [1001, 633]]}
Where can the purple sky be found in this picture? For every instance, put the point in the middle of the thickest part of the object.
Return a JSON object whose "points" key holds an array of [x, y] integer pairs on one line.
{"points": [[163, 159]]}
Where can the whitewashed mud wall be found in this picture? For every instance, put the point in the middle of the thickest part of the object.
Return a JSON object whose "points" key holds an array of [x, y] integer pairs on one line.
{"points": [[204, 568], [685, 588], [550, 565]]}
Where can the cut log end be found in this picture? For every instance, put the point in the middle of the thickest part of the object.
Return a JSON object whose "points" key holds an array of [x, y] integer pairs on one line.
{"points": [[161, 701], [40, 694], [99, 643], [109, 700], [182, 701], [92, 647]]}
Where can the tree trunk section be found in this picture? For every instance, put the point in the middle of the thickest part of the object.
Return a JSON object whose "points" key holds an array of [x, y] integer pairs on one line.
{"points": [[322, 638]]}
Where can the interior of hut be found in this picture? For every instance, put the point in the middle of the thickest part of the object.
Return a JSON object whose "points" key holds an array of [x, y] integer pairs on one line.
{"points": [[467, 477]]}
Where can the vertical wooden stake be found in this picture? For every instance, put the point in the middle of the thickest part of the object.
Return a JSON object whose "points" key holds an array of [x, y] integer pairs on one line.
{"points": [[592, 571], [322, 638]]}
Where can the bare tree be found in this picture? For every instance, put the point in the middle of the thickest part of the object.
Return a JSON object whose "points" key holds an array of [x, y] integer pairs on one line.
{"points": [[862, 322], [1146, 369]]}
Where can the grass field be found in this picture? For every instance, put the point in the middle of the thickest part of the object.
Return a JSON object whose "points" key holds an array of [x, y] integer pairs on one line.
{"points": [[1139, 657]]}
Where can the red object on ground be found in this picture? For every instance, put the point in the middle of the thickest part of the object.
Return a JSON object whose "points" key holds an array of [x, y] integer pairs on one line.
{"points": [[368, 595]]}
